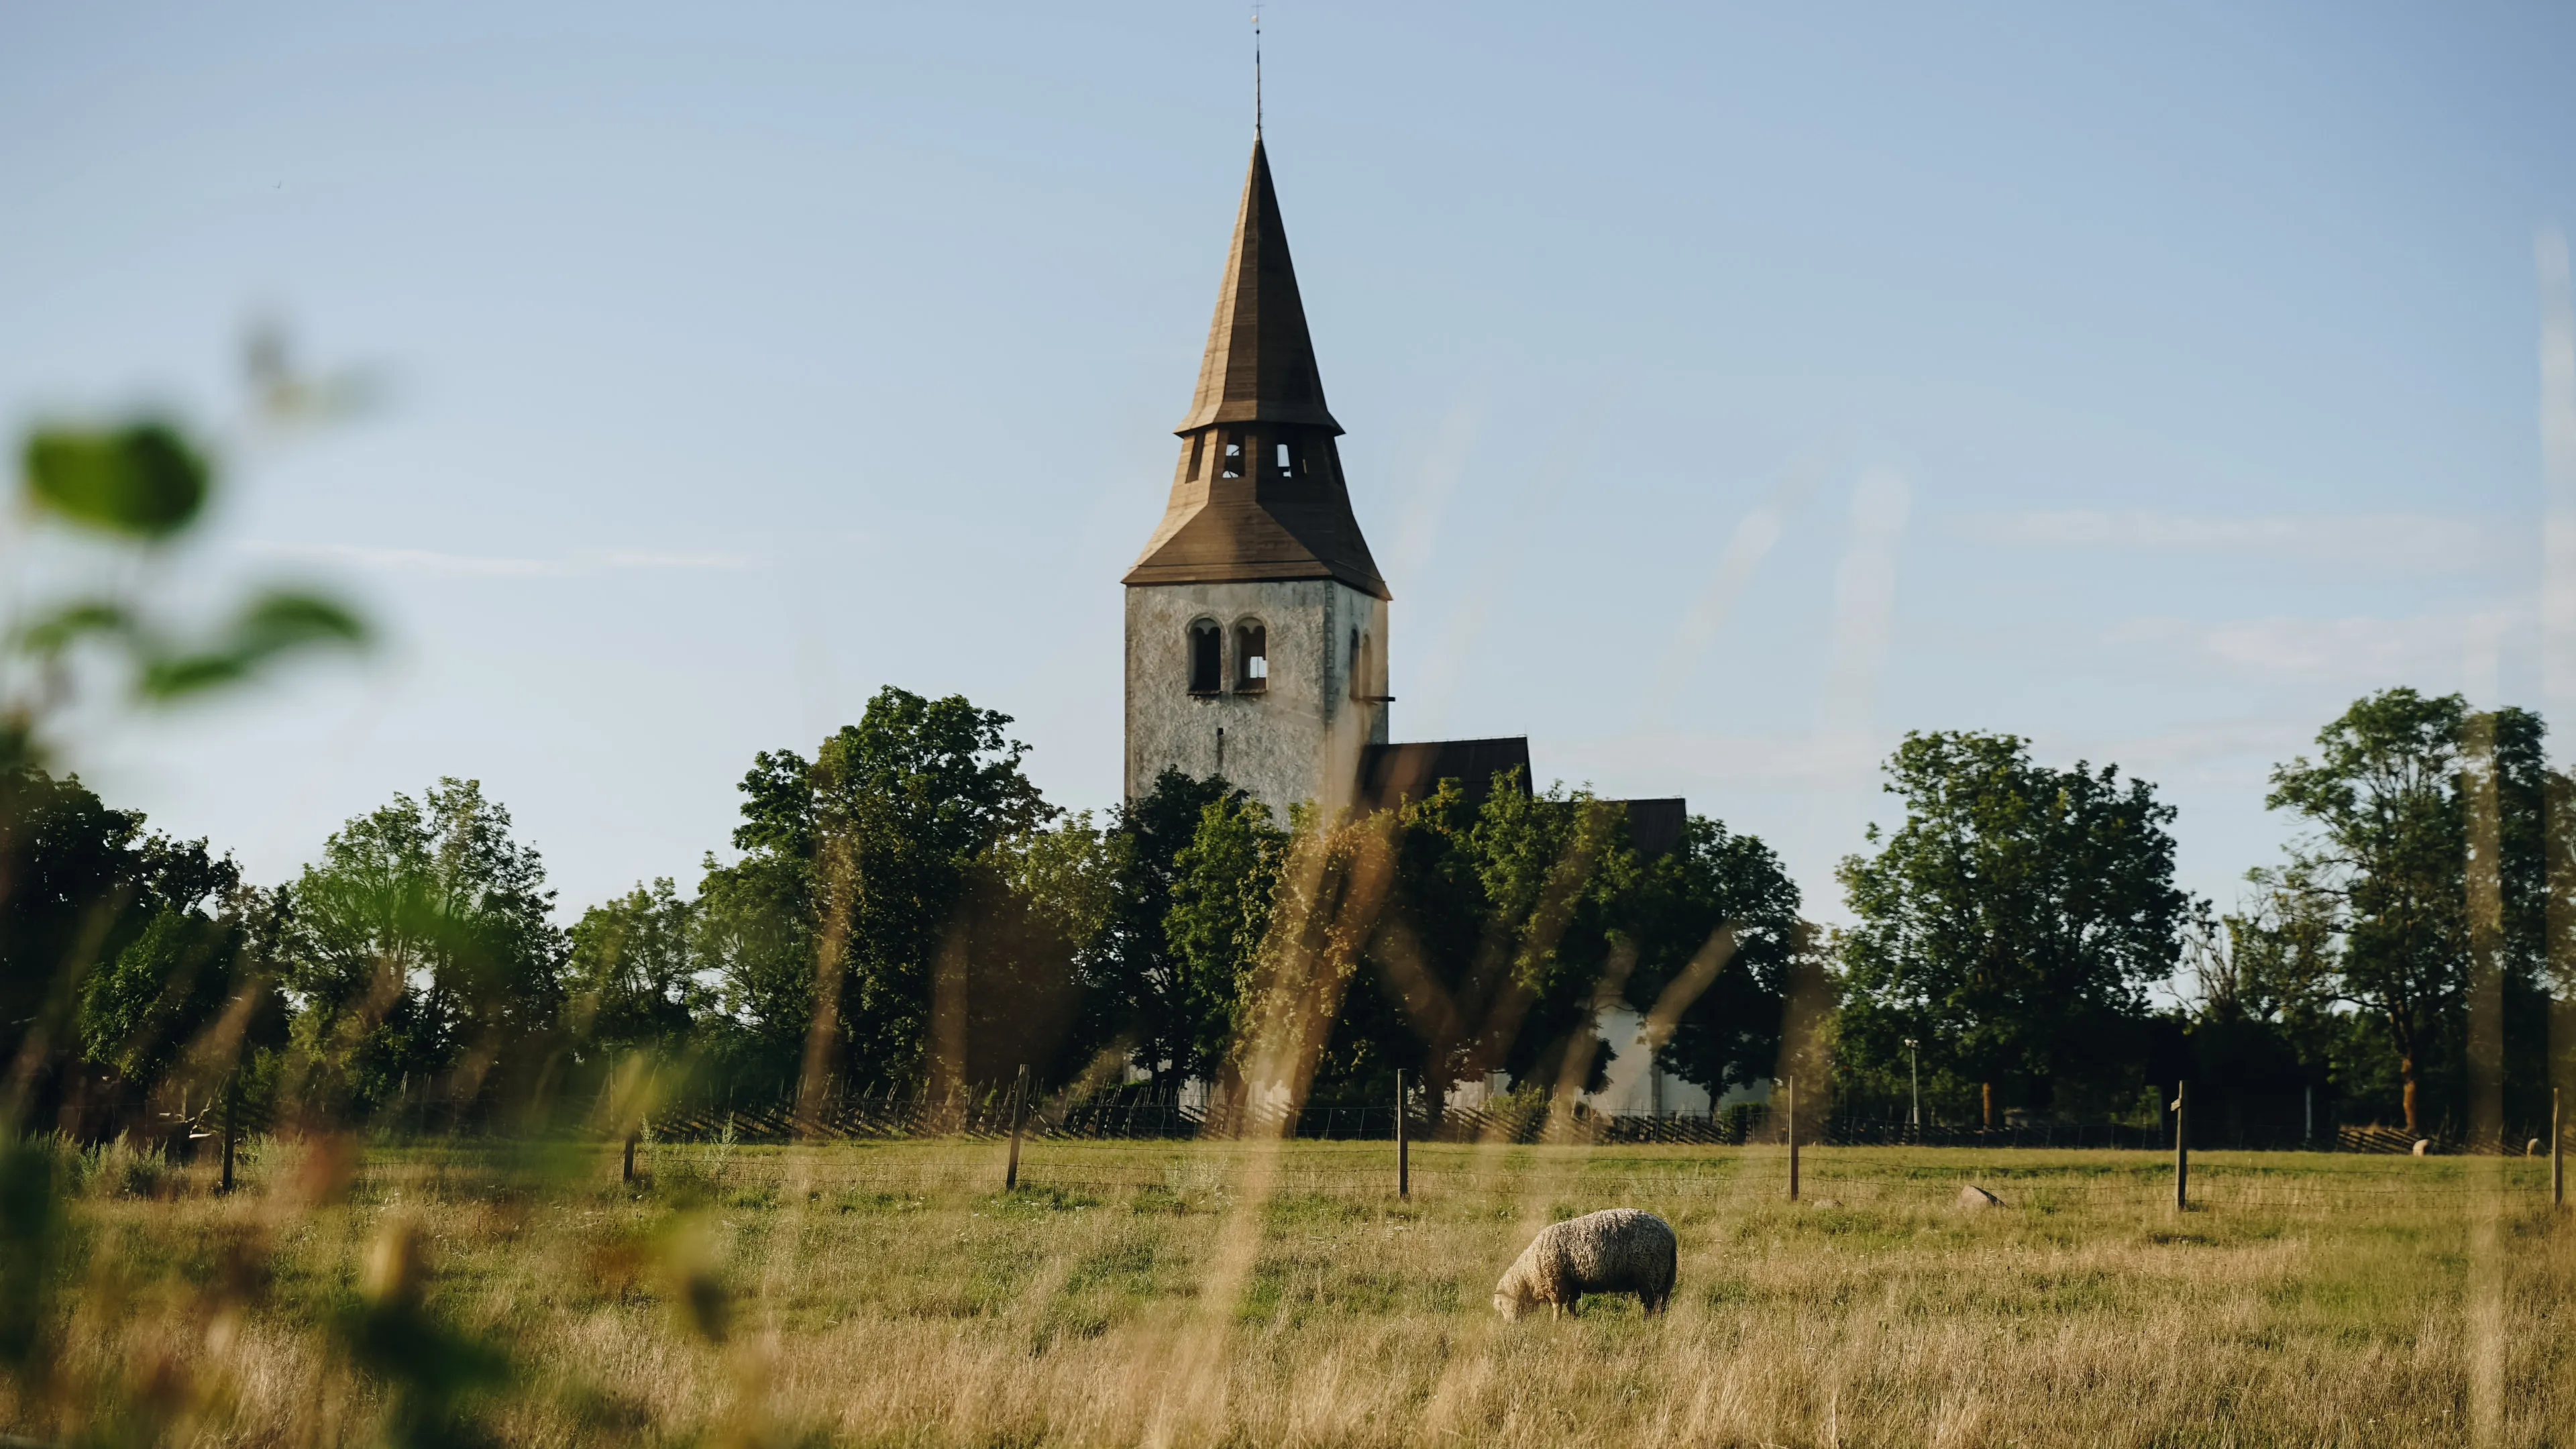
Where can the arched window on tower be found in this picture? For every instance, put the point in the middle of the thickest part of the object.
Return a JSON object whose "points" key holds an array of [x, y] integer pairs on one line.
{"points": [[1233, 461], [1251, 657], [1207, 657]]}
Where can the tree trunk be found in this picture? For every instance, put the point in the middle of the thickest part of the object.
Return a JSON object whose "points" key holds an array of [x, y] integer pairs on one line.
{"points": [[2406, 1073], [1989, 1089]]}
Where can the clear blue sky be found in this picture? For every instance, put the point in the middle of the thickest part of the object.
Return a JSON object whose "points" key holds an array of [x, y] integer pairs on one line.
{"points": [[2149, 384]]}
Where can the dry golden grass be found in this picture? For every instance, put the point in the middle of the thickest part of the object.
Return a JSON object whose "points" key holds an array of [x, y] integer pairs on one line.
{"points": [[1241, 1294]]}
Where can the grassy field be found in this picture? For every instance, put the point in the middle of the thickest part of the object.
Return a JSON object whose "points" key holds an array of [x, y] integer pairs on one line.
{"points": [[1240, 1294]]}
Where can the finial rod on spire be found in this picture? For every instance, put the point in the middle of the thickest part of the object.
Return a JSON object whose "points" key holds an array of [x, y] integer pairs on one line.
{"points": [[1256, 70]]}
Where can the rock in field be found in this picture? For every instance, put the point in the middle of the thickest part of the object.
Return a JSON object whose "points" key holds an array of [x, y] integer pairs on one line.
{"points": [[1973, 1196]]}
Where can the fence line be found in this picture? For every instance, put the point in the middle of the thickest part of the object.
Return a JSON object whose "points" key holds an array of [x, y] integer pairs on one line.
{"points": [[896, 1116]]}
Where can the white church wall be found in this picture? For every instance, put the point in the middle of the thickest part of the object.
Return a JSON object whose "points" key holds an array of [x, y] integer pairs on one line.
{"points": [[1636, 1086]]}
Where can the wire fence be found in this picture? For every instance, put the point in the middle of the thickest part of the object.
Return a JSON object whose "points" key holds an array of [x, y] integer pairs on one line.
{"points": [[1209, 1174], [894, 1115]]}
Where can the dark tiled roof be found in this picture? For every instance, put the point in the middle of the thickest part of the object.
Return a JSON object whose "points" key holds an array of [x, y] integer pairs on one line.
{"points": [[1390, 774], [1655, 826]]}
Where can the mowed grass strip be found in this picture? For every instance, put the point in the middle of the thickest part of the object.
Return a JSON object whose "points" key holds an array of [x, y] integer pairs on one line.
{"points": [[1237, 1293]]}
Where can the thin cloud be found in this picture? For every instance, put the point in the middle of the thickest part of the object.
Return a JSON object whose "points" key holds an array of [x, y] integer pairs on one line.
{"points": [[584, 564], [2428, 541], [2427, 647], [1864, 601]]}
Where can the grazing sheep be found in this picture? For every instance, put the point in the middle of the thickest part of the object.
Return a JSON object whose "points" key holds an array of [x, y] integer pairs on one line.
{"points": [[1619, 1251]]}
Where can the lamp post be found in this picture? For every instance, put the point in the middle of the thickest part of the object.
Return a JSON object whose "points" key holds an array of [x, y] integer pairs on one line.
{"points": [[1914, 1070]]}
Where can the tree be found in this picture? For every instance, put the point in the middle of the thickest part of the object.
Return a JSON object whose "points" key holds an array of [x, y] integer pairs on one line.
{"points": [[2383, 874], [2257, 1035], [1719, 948], [1222, 887], [857, 867], [1143, 990], [2012, 923], [423, 945], [108, 943], [631, 972], [1500, 921], [754, 929]]}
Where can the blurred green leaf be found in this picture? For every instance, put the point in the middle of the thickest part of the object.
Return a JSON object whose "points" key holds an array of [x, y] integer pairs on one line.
{"points": [[142, 480], [53, 633], [274, 624]]}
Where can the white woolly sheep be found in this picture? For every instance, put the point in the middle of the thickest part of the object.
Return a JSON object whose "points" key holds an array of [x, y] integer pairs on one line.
{"points": [[1618, 1251]]}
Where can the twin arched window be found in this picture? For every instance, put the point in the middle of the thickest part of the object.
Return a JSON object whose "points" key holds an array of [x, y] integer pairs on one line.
{"points": [[1251, 657], [1207, 657]]}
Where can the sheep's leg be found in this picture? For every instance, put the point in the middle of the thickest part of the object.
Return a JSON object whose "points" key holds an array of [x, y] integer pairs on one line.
{"points": [[1555, 1311]]}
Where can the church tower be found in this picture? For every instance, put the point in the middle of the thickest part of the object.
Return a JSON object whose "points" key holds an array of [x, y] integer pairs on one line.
{"points": [[1256, 620]]}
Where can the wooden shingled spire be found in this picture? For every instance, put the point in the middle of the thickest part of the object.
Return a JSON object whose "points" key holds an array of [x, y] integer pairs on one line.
{"points": [[1260, 364], [1259, 492]]}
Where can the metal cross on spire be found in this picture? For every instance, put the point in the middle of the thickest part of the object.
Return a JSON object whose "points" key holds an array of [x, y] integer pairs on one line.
{"points": [[1256, 70]]}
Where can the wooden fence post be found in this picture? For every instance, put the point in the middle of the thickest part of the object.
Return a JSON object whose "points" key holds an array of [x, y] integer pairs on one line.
{"points": [[1403, 1143], [627, 1174], [1793, 1138], [232, 1126], [2182, 1145], [1019, 1109]]}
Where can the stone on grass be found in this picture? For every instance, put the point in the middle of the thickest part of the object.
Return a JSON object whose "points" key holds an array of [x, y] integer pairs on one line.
{"points": [[1973, 1196], [2423, 1146]]}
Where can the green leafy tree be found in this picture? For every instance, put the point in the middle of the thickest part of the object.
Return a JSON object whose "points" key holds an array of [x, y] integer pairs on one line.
{"points": [[754, 928], [2011, 924], [1500, 923], [190, 985], [2258, 1033], [1555, 870], [109, 943], [1720, 947], [1142, 994], [1058, 891], [2381, 876], [422, 946], [631, 972], [859, 864], [1222, 888]]}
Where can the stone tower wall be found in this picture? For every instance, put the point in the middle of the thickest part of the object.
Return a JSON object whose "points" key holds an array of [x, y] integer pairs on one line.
{"points": [[1299, 737]]}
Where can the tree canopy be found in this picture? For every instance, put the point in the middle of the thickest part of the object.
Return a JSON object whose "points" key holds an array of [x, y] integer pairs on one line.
{"points": [[2011, 924], [2371, 908]]}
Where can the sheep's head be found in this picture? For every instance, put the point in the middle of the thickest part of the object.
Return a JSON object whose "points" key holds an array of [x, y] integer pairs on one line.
{"points": [[1512, 1298]]}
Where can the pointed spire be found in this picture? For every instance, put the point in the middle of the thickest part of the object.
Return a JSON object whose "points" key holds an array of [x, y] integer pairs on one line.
{"points": [[1258, 491], [1260, 364]]}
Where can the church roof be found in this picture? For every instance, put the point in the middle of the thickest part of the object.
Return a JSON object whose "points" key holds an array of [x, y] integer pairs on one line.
{"points": [[1393, 774], [1259, 376], [1260, 364]]}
